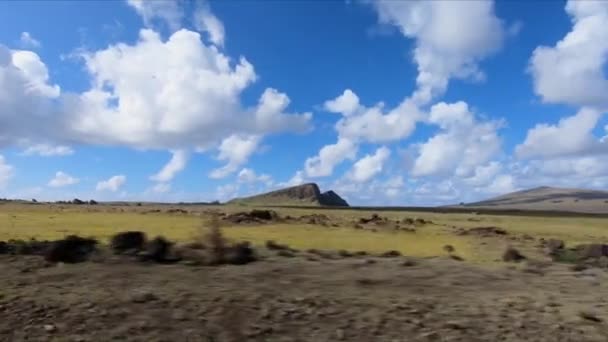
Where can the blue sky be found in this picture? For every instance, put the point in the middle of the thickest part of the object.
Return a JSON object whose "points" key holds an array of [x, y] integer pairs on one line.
{"points": [[386, 102]]}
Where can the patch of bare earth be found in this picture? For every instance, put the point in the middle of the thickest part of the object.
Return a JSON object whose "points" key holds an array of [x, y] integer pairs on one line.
{"points": [[294, 299]]}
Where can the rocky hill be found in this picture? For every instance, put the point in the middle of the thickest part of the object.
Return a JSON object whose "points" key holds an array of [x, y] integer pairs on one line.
{"points": [[305, 194], [550, 199]]}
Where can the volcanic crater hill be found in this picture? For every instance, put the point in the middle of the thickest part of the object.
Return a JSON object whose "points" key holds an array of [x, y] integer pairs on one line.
{"points": [[547, 198], [305, 194]]}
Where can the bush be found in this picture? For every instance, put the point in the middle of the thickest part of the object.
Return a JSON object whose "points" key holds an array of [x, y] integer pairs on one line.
{"points": [[157, 250], [72, 249], [128, 241], [270, 244], [240, 254], [512, 255]]}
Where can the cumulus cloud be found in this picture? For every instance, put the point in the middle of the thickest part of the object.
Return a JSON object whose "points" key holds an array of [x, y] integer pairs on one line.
{"points": [[6, 172], [329, 156], [574, 70], [451, 38], [205, 21], [168, 11], [186, 98], [571, 136], [247, 175], [27, 41], [462, 144], [113, 184], [298, 178], [62, 179], [178, 162], [25, 99], [235, 150], [346, 104], [47, 150], [369, 166]]}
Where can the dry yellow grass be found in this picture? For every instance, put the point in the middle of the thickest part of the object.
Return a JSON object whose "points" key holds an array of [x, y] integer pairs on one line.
{"points": [[51, 222]]}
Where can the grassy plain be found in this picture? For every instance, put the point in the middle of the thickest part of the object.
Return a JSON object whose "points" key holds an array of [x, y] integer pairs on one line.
{"points": [[24, 221]]}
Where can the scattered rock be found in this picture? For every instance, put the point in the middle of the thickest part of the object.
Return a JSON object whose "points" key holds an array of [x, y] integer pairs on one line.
{"points": [[590, 316], [49, 328], [142, 296]]}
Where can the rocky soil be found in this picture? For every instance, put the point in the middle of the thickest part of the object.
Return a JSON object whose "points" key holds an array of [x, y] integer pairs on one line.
{"points": [[301, 299]]}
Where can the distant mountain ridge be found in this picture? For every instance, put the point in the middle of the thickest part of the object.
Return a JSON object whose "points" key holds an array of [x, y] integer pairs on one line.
{"points": [[548, 198], [305, 194]]}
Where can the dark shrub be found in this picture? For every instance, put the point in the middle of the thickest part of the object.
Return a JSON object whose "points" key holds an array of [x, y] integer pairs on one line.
{"points": [[266, 215], [512, 255], [449, 249], [157, 250], [554, 245], [391, 254], [286, 253], [78, 201], [270, 244], [240, 254], [4, 248], [72, 249], [128, 241], [93, 202], [345, 254], [31, 247], [591, 251]]}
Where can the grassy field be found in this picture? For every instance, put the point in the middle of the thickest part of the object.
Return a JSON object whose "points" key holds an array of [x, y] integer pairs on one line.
{"points": [[24, 221]]}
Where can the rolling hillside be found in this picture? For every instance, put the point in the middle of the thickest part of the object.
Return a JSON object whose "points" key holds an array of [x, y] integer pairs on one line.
{"points": [[548, 198]]}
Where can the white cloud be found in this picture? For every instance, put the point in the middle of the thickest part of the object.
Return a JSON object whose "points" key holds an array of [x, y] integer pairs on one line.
{"points": [[347, 103], [113, 184], [227, 192], [161, 188], [374, 125], [168, 11], [62, 179], [247, 175], [329, 156], [297, 179], [236, 150], [27, 41], [47, 150], [6, 172], [187, 96], [178, 162], [369, 166], [34, 73], [574, 70], [462, 144], [205, 21], [451, 38], [572, 135]]}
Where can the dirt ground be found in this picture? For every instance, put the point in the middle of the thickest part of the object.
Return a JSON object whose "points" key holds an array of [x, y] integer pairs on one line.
{"points": [[297, 299]]}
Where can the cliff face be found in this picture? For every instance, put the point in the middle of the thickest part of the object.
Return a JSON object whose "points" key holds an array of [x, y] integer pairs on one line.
{"points": [[332, 199], [305, 194]]}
